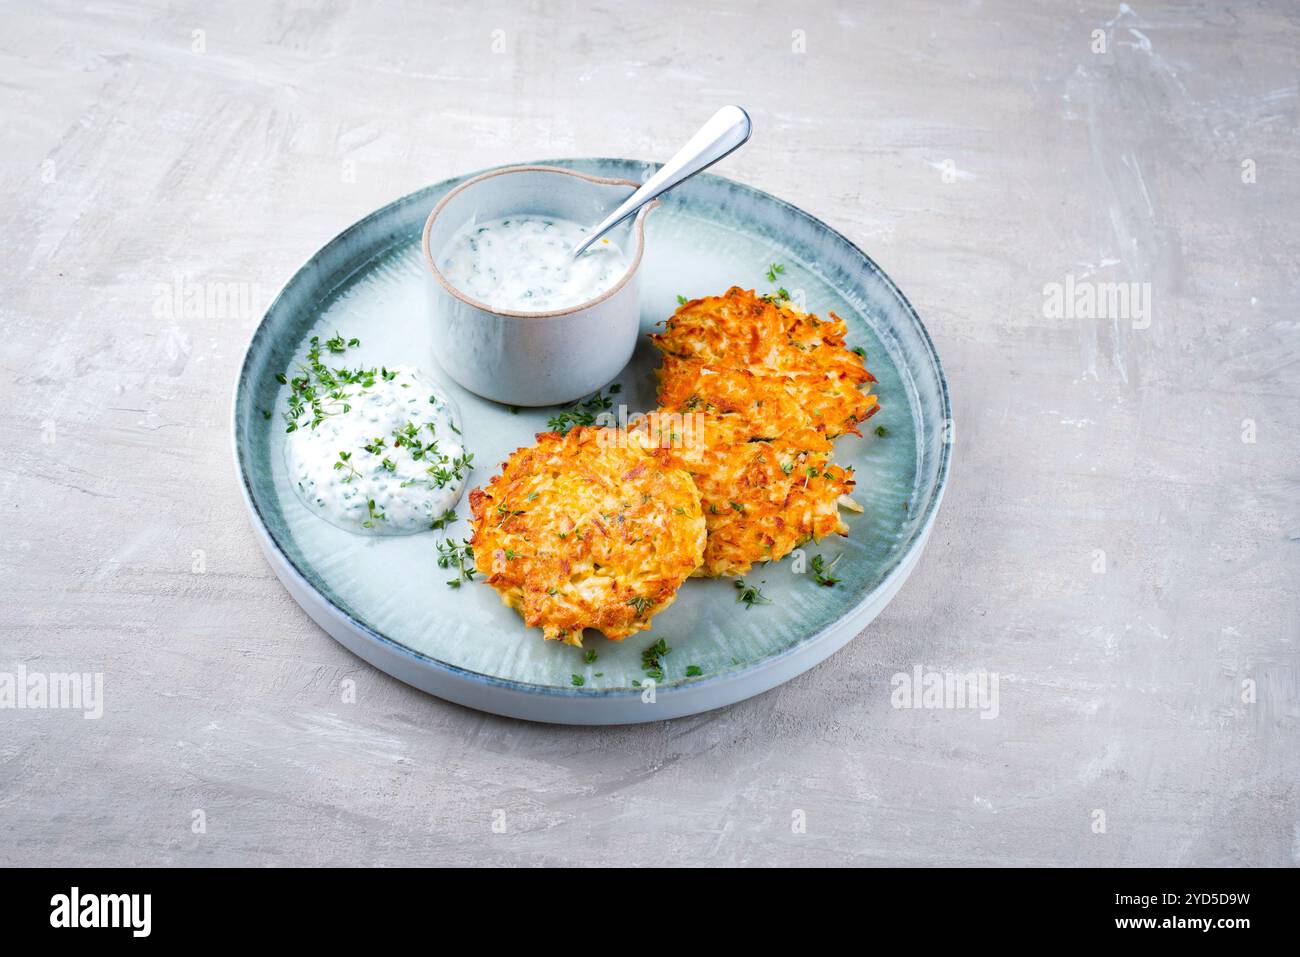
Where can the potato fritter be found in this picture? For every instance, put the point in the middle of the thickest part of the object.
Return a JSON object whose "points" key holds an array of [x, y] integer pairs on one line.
{"points": [[740, 330], [761, 499], [773, 386], [587, 530]]}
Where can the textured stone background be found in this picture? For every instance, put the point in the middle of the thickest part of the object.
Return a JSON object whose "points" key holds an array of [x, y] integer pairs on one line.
{"points": [[136, 152]]}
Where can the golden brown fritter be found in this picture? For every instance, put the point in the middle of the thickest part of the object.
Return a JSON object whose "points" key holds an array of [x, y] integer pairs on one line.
{"points": [[587, 530], [740, 330], [772, 386]]}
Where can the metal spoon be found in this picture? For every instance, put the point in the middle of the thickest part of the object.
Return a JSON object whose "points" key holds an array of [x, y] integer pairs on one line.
{"points": [[725, 132]]}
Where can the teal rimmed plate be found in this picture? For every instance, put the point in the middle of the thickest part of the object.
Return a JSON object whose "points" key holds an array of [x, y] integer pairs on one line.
{"points": [[387, 601]]}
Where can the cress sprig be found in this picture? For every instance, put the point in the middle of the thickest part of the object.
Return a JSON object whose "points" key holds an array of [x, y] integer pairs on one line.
{"points": [[584, 412], [459, 557], [322, 390]]}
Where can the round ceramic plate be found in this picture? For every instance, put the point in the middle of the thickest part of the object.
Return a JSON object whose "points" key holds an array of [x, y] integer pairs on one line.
{"points": [[386, 599]]}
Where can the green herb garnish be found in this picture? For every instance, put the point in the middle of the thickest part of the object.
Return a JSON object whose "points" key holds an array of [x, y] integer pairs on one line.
{"points": [[459, 557], [345, 462], [822, 571], [318, 391], [338, 344], [750, 596], [652, 660], [582, 413]]}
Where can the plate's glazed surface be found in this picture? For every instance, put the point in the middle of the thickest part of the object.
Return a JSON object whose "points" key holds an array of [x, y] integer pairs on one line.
{"points": [[386, 599]]}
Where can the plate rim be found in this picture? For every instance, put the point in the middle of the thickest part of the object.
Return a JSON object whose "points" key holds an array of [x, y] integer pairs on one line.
{"points": [[282, 564]]}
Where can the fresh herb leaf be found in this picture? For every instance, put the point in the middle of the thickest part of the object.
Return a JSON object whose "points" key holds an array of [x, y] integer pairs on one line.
{"points": [[652, 660], [345, 462], [581, 413], [750, 596], [459, 557], [822, 570], [375, 515]]}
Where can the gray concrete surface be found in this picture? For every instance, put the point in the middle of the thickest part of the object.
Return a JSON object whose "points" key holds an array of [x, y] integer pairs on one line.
{"points": [[1119, 541]]}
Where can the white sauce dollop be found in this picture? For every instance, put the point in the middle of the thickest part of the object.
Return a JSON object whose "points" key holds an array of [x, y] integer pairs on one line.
{"points": [[410, 483], [522, 264]]}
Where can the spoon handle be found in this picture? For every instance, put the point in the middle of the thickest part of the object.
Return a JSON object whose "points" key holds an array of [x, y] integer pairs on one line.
{"points": [[726, 131]]}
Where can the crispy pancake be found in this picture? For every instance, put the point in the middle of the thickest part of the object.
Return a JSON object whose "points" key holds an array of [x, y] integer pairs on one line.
{"points": [[773, 385], [740, 330], [761, 499], [587, 530]]}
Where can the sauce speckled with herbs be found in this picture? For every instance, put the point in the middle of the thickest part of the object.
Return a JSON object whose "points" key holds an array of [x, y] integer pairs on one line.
{"points": [[523, 264], [373, 451]]}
